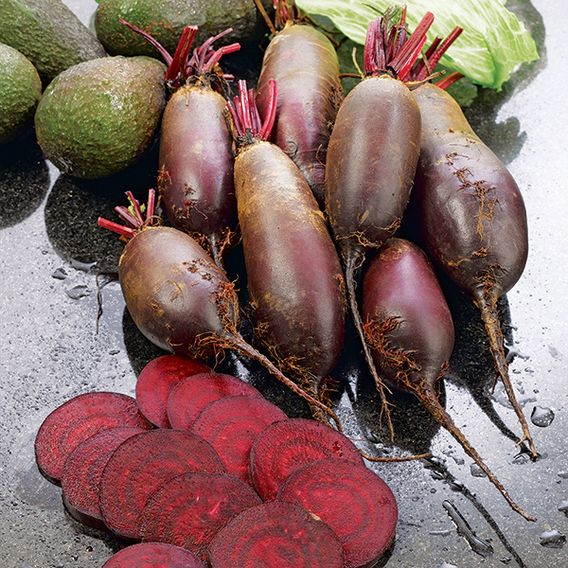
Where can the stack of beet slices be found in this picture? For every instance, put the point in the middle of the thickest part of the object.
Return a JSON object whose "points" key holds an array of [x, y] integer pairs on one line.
{"points": [[206, 472]]}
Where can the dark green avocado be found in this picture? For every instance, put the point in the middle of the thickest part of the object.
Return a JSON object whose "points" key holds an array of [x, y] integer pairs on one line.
{"points": [[96, 118], [20, 91], [48, 34], [165, 20]]}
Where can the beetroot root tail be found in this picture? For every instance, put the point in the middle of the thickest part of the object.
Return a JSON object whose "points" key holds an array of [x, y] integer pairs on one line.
{"points": [[488, 307]]}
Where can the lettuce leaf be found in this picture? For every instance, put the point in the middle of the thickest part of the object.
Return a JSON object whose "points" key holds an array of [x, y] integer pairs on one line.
{"points": [[493, 44]]}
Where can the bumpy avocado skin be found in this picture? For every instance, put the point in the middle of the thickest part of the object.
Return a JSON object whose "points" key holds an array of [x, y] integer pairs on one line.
{"points": [[20, 91], [98, 117], [48, 34], [165, 20]]}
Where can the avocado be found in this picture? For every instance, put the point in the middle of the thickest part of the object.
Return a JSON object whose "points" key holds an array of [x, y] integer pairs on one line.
{"points": [[165, 20], [98, 117], [20, 91], [48, 34]]}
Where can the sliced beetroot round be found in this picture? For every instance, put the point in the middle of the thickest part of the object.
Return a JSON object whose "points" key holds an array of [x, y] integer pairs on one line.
{"points": [[190, 509], [189, 397], [83, 470], [276, 535], [231, 425], [143, 463], [77, 420], [153, 555], [156, 381], [282, 448], [357, 504]]}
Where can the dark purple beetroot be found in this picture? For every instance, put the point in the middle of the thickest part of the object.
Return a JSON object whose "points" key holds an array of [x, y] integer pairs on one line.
{"points": [[77, 420], [231, 425], [276, 535], [178, 297], [82, 473], [373, 153], [353, 501], [191, 396], [295, 283], [409, 327], [309, 93], [141, 465], [196, 157], [189, 510], [472, 218], [285, 446], [156, 382], [153, 555]]}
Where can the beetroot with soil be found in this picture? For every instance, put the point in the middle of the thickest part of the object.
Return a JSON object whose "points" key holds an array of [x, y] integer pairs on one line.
{"points": [[156, 381], [295, 282], [286, 446], [77, 420], [409, 327], [189, 510], [472, 218], [190, 397], [141, 465], [304, 64], [373, 153], [195, 176], [232, 424], [276, 535], [82, 473], [178, 297], [153, 555], [353, 501]]}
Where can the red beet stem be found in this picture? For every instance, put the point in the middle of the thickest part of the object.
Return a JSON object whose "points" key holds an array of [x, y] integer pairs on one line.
{"points": [[388, 46], [155, 43], [116, 228], [449, 80], [180, 59], [246, 118]]}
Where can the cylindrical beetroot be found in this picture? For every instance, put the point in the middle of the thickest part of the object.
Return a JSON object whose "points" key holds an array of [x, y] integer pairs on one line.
{"points": [[295, 283], [472, 218], [195, 176], [409, 327], [304, 64], [373, 152]]}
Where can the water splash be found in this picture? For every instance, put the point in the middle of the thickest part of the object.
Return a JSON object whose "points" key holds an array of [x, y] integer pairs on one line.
{"points": [[552, 539]]}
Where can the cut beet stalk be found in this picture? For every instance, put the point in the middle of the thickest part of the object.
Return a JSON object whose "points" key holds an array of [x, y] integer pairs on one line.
{"points": [[76, 421], [357, 504], [156, 381], [141, 465], [153, 555], [192, 508], [231, 425], [284, 447], [188, 398], [83, 470], [276, 535]]}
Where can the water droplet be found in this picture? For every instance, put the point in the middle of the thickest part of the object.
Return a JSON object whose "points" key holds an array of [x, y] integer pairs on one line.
{"points": [[506, 559], [563, 507], [446, 565], [59, 273], [563, 474], [552, 539], [521, 459], [442, 532], [82, 266], [78, 292], [477, 544], [542, 417], [476, 471], [499, 395]]}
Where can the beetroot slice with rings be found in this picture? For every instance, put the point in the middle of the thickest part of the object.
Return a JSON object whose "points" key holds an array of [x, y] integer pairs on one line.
{"points": [[189, 397], [141, 465], [189, 510], [156, 382], [77, 420], [83, 470], [276, 535], [284, 447], [356, 503], [153, 555], [232, 424]]}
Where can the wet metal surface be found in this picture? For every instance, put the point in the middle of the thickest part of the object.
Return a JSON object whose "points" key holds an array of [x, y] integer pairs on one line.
{"points": [[53, 349]]}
